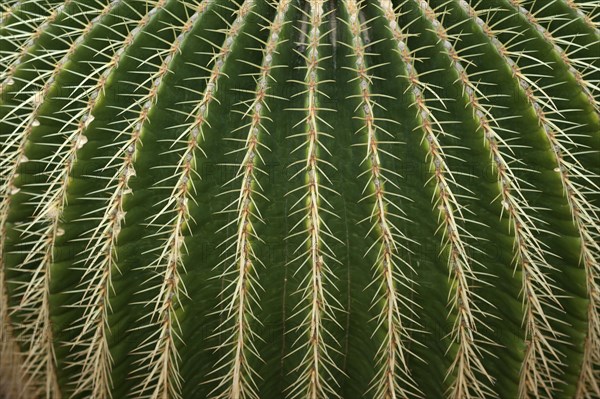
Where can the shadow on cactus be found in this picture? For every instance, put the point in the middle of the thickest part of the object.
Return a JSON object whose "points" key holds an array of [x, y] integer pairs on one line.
{"points": [[300, 199]]}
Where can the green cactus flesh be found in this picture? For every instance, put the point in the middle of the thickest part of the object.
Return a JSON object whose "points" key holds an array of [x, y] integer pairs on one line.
{"points": [[300, 199]]}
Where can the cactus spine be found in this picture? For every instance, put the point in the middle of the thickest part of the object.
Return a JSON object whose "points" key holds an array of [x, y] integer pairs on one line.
{"points": [[300, 198]]}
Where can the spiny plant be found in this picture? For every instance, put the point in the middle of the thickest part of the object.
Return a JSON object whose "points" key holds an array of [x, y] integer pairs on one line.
{"points": [[300, 199]]}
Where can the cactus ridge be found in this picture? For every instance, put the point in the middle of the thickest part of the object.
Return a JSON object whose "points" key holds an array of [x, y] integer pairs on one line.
{"points": [[393, 351], [317, 303], [101, 241], [43, 229], [300, 198], [539, 293], [467, 361]]}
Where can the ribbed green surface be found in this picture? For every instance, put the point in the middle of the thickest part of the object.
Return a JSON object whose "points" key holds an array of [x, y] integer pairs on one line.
{"points": [[300, 199]]}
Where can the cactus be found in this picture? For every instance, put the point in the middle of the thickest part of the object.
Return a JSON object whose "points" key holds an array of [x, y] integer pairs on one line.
{"points": [[300, 199]]}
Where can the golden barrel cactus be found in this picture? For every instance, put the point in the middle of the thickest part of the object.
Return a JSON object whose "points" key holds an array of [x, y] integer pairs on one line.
{"points": [[300, 199]]}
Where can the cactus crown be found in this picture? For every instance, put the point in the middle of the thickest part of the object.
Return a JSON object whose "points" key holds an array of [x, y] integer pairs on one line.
{"points": [[300, 198]]}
